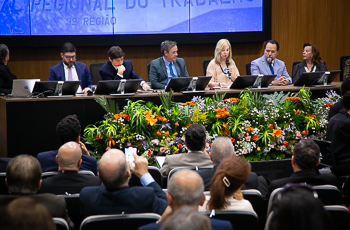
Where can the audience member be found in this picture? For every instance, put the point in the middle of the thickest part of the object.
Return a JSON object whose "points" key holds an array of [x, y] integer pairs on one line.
{"points": [[6, 76], [186, 189], [23, 178], [222, 68], [25, 213], [186, 218], [116, 68], [338, 133], [166, 67], [296, 208], [225, 189], [70, 69], [68, 129], [337, 107], [195, 141], [269, 64], [312, 62], [306, 156], [68, 180], [115, 196]]}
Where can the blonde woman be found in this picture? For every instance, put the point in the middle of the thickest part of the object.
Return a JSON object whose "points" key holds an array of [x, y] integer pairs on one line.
{"points": [[222, 68]]}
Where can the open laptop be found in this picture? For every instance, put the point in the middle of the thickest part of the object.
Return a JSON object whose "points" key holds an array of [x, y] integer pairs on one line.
{"points": [[23, 87], [198, 84], [44, 88], [253, 81], [118, 87], [317, 79]]}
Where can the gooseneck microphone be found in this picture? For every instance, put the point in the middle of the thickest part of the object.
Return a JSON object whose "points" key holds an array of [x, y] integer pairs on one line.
{"points": [[227, 65]]}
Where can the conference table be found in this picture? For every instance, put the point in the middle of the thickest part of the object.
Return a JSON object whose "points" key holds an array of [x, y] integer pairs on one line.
{"points": [[28, 125]]}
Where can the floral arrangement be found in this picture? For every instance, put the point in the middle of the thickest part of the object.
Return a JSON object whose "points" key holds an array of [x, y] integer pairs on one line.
{"points": [[260, 126]]}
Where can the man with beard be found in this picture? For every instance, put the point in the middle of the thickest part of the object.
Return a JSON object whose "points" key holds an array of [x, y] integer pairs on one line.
{"points": [[71, 70], [268, 64]]}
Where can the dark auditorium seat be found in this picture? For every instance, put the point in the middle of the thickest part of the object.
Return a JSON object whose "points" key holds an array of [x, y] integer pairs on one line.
{"points": [[61, 224], [205, 64], [73, 207], [155, 173], [3, 186], [344, 67], [247, 69], [95, 72], [340, 216]]}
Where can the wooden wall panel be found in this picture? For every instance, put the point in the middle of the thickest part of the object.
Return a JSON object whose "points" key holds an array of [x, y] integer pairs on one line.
{"points": [[294, 22]]}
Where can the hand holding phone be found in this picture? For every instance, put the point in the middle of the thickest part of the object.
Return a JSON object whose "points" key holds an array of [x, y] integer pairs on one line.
{"points": [[129, 154]]}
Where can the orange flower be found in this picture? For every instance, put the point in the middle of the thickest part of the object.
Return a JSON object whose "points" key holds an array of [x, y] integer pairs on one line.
{"points": [[150, 118], [255, 137], [188, 125], [160, 118], [224, 124], [232, 139], [328, 104], [117, 116], [296, 111], [249, 129], [176, 124], [166, 133], [111, 142], [258, 149], [232, 99], [304, 132], [277, 132], [159, 133], [99, 137], [149, 152], [189, 103], [271, 126], [293, 98], [285, 143], [175, 134], [221, 113], [126, 117]]}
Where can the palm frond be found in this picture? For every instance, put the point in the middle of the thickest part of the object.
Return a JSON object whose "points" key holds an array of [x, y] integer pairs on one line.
{"points": [[109, 105]]}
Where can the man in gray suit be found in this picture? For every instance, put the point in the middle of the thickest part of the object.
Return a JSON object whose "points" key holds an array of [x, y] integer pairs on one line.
{"points": [[268, 64], [166, 67]]}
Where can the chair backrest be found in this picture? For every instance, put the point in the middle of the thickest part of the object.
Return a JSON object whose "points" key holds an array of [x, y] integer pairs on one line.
{"points": [[326, 157], [86, 172], [95, 72], [155, 173], [3, 187], [123, 221], [205, 64], [247, 68], [195, 168], [148, 69], [48, 174], [61, 224], [73, 207], [344, 67], [259, 205], [240, 220], [340, 216]]}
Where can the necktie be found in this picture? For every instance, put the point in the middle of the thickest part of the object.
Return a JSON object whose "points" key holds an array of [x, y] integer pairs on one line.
{"points": [[70, 77], [171, 70], [271, 68]]}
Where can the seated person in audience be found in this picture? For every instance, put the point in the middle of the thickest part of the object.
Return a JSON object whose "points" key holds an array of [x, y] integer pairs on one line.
{"points": [[166, 67], [25, 213], [306, 157], [68, 129], [185, 189], [116, 68], [312, 62], [297, 208], [23, 178], [68, 180], [269, 64], [71, 70], [195, 141], [222, 68], [225, 188], [338, 133], [337, 107], [6, 76], [115, 196], [221, 148], [187, 218]]}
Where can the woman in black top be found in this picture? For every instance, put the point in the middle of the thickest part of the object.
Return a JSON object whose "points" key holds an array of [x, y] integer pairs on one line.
{"points": [[6, 76]]}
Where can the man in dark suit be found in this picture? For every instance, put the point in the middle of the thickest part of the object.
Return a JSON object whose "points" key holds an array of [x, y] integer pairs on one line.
{"points": [[68, 180], [166, 67], [71, 70], [115, 196], [306, 156], [6, 76], [220, 149], [68, 129], [195, 141], [23, 178], [186, 189], [116, 68]]}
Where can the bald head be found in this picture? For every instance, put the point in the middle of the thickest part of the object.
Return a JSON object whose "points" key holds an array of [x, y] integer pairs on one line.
{"points": [[186, 188], [113, 169], [69, 156], [221, 148]]}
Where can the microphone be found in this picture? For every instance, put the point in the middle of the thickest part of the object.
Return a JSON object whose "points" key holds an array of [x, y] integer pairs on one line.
{"points": [[228, 73]]}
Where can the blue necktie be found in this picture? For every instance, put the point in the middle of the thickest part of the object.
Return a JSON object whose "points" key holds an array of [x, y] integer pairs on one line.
{"points": [[271, 68], [171, 70]]}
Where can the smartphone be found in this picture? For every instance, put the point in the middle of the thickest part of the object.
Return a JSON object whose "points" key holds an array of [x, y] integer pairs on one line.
{"points": [[129, 153]]}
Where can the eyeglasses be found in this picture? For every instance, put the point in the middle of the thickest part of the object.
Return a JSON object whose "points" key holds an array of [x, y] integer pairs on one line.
{"points": [[70, 57], [292, 187]]}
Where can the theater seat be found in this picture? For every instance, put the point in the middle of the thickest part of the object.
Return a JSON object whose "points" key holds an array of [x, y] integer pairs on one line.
{"points": [[95, 72], [205, 64], [61, 224]]}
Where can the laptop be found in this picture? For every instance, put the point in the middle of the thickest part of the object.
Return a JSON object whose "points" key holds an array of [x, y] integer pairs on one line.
{"points": [[118, 87], [198, 84], [44, 88], [23, 87], [317, 79], [253, 81]]}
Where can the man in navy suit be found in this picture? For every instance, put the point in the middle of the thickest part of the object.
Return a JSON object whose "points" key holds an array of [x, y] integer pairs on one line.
{"points": [[268, 64], [185, 189], [115, 196], [116, 68], [166, 67], [71, 70]]}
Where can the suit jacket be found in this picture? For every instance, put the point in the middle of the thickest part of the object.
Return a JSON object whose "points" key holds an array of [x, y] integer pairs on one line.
{"points": [[308, 176], [183, 160], [207, 175], [56, 73], [108, 72], [97, 200], [6, 79], [261, 66], [215, 225], [158, 75], [67, 181], [48, 162], [299, 69]]}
